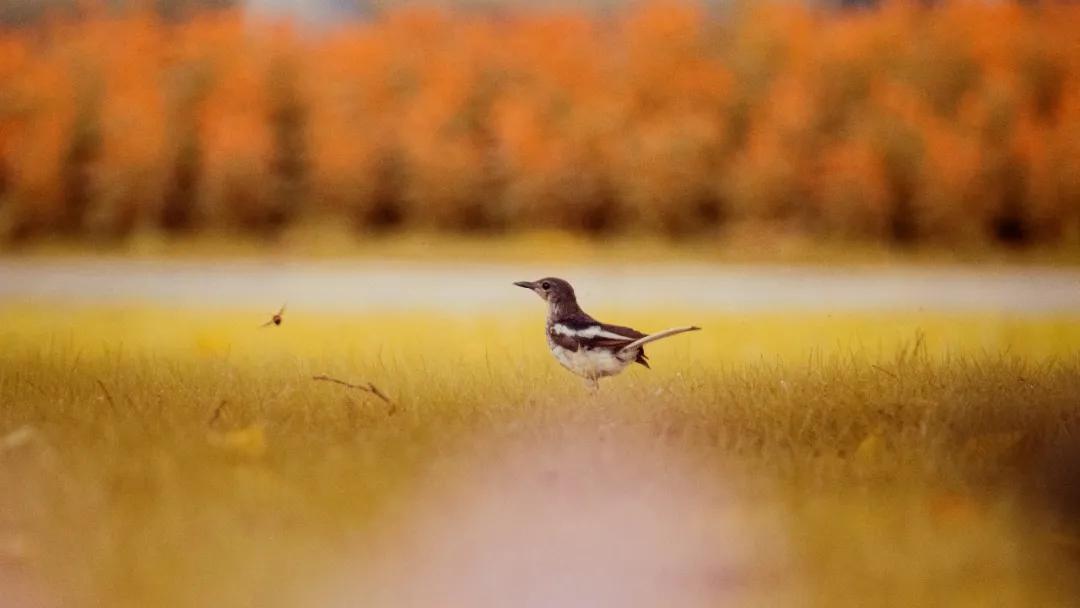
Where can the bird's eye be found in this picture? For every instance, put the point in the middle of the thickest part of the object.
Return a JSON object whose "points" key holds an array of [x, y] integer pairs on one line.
{"points": [[545, 285]]}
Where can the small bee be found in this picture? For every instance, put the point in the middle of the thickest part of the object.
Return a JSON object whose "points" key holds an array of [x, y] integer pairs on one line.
{"points": [[276, 319]]}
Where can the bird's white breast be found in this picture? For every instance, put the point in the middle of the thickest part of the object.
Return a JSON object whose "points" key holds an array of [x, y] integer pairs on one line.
{"points": [[596, 363]]}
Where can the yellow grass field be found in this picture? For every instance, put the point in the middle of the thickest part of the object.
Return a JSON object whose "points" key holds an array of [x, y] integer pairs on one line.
{"points": [[152, 457]]}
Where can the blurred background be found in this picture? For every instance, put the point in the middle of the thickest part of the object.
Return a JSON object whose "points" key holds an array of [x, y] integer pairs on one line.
{"points": [[872, 208], [733, 123]]}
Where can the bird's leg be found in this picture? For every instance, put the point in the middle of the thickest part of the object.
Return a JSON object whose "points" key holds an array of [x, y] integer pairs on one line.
{"points": [[592, 385]]}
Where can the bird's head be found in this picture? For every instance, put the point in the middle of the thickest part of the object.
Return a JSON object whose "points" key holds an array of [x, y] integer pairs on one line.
{"points": [[554, 291]]}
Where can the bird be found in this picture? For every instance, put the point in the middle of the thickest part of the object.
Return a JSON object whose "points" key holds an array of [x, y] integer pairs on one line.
{"points": [[276, 319], [585, 346]]}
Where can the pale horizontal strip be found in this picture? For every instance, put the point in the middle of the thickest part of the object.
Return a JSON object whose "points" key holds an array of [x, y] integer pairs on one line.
{"points": [[356, 286]]}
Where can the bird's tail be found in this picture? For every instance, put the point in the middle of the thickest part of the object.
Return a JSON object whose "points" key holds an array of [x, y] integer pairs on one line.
{"points": [[660, 335]]}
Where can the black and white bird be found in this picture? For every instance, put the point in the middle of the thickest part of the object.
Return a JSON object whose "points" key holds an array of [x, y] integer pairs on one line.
{"points": [[585, 346]]}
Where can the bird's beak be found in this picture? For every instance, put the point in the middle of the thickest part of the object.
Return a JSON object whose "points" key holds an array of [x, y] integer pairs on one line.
{"points": [[525, 284]]}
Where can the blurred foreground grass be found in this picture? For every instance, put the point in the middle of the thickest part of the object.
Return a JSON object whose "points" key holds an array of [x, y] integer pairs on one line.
{"points": [[154, 457]]}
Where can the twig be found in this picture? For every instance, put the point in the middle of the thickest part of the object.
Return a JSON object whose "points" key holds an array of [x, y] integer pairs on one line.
{"points": [[368, 388], [108, 397], [885, 371], [375, 391], [217, 412]]}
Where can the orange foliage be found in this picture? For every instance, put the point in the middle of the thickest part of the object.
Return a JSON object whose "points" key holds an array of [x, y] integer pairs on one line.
{"points": [[954, 123]]}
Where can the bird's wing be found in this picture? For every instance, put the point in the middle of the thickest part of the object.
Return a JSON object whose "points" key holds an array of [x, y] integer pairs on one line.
{"points": [[625, 332], [270, 322], [560, 338], [591, 335], [282, 311]]}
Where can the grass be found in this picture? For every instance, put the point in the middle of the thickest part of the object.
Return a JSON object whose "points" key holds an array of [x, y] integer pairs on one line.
{"points": [[156, 457]]}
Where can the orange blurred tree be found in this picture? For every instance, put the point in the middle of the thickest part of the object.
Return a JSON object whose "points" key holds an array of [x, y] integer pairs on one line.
{"points": [[901, 124]]}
